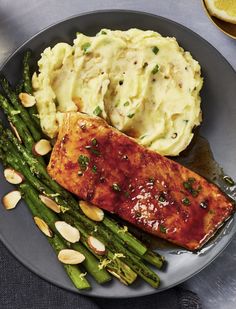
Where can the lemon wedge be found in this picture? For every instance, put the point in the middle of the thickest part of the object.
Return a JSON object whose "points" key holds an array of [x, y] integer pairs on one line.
{"points": [[222, 9]]}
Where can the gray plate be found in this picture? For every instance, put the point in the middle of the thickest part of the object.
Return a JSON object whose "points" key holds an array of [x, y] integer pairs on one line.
{"points": [[17, 230]]}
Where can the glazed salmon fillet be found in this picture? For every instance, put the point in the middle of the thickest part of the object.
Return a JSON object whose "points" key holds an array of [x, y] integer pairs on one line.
{"points": [[103, 166]]}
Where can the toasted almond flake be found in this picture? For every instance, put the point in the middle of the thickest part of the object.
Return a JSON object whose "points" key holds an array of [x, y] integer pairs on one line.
{"points": [[11, 199], [69, 256], [42, 147], [27, 99], [42, 225], [50, 203], [67, 231], [12, 176], [96, 245], [15, 132], [92, 212]]}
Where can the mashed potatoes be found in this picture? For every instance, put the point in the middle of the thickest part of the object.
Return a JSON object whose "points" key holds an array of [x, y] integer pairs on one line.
{"points": [[143, 84]]}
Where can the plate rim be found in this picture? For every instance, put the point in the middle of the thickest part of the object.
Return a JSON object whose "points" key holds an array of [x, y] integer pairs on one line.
{"points": [[136, 12]]}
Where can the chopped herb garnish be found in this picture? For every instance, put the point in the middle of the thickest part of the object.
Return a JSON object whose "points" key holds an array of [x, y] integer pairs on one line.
{"points": [[188, 185], [103, 32], [186, 121], [94, 169], [155, 69], [186, 201], [130, 115], [161, 199], [95, 151], [142, 137], [83, 162], [126, 103], [117, 103], [229, 180], [145, 65], [155, 49], [162, 228], [85, 47], [94, 142], [127, 194], [116, 187], [97, 111]]}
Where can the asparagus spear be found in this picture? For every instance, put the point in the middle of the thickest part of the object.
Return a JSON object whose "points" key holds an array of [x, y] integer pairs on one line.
{"points": [[134, 263], [58, 244], [20, 108], [90, 263], [116, 266], [28, 86], [19, 87], [16, 120]]}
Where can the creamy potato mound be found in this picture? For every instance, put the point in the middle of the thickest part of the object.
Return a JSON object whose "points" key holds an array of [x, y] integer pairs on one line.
{"points": [[143, 84]]}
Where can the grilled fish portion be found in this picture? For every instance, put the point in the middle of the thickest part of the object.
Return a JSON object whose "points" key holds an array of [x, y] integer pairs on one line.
{"points": [[105, 167]]}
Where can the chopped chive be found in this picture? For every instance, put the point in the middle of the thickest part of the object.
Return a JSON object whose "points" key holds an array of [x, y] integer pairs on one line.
{"points": [[145, 65], [103, 32], [94, 169], [161, 199], [116, 187], [131, 115], [97, 111], [155, 49], [85, 46], [94, 142], [186, 201], [83, 162], [155, 69], [127, 194], [126, 103], [95, 151], [162, 228]]}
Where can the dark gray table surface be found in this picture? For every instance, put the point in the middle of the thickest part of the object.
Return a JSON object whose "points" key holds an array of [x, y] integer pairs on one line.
{"points": [[19, 20]]}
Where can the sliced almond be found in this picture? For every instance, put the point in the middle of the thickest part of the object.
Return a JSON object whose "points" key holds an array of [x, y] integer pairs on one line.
{"points": [[50, 203], [42, 147], [67, 231], [69, 256], [92, 212], [27, 99], [13, 176], [42, 225], [96, 245], [11, 199], [15, 132]]}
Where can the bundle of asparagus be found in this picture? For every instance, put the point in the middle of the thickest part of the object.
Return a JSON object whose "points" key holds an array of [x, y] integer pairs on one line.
{"points": [[78, 232]]}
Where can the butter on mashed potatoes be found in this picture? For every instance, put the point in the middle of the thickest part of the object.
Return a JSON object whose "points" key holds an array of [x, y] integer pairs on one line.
{"points": [[143, 84]]}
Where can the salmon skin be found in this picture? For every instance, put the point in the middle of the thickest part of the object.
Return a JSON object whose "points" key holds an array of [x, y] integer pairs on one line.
{"points": [[105, 167]]}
